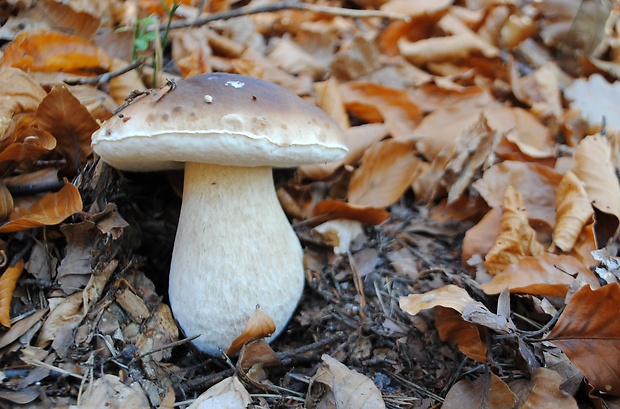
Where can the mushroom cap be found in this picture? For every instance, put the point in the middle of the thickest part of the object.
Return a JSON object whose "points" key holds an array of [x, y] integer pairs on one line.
{"points": [[218, 118]]}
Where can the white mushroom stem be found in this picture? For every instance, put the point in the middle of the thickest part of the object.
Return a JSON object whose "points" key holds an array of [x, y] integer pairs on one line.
{"points": [[234, 250]]}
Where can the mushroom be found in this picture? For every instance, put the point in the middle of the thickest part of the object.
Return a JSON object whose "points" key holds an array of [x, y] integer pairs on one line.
{"points": [[234, 247]]}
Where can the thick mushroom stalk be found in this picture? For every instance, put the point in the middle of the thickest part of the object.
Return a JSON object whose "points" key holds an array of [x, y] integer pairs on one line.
{"points": [[234, 250]]}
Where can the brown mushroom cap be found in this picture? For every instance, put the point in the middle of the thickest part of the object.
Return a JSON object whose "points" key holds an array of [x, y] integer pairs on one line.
{"points": [[218, 118]]}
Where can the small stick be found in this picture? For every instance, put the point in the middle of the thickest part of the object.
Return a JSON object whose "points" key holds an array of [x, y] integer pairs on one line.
{"points": [[287, 5], [106, 77]]}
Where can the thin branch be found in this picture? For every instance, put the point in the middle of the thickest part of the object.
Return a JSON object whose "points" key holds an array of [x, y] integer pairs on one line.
{"points": [[287, 5], [106, 77]]}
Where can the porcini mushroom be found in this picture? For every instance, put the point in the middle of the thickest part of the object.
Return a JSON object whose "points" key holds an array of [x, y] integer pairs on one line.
{"points": [[234, 248]]}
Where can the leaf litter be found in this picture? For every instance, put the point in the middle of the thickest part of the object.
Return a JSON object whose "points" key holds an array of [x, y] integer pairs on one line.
{"points": [[464, 252]]}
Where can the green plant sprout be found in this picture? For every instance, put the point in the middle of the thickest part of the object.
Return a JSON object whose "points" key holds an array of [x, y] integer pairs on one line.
{"points": [[145, 37]]}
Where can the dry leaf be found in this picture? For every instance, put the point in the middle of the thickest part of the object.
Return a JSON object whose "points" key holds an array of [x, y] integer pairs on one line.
{"points": [[61, 114], [227, 394], [6, 202], [536, 183], [259, 325], [49, 210], [20, 93], [335, 209], [451, 48], [334, 386], [488, 391], [588, 332], [55, 52], [546, 274], [516, 239], [7, 286], [453, 329], [110, 392], [449, 296], [60, 325], [543, 391], [572, 211], [377, 103], [387, 171], [592, 165]]}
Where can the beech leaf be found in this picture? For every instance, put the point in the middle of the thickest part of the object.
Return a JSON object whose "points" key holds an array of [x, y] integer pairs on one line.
{"points": [[516, 239], [588, 332], [51, 209], [61, 114], [488, 391], [7, 286], [387, 171]]}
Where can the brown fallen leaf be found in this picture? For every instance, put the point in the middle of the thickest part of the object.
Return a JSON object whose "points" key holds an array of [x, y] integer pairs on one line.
{"points": [[450, 48], [543, 391], [593, 166], [62, 115], [338, 387], [588, 332], [7, 286], [52, 51], [110, 392], [387, 171], [536, 183], [335, 209], [545, 274], [49, 210], [377, 103], [453, 329], [450, 296], [227, 394], [573, 211], [20, 93], [488, 391], [516, 239], [259, 325]]}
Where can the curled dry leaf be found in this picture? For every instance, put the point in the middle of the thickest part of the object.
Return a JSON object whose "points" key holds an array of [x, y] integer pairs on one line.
{"points": [[546, 274], [61, 114], [339, 233], [449, 296], [377, 103], [7, 286], [335, 209], [52, 51], [543, 391], [60, 325], [20, 93], [357, 139], [593, 166], [588, 332], [516, 239], [49, 210], [334, 386], [259, 325], [227, 394], [536, 183], [453, 329], [451, 48], [6, 202], [110, 392], [572, 211], [488, 391], [387, 171]]}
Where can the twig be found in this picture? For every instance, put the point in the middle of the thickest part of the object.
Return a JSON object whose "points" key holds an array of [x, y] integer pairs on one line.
{"points": [[287, 5], [106, 77]]}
